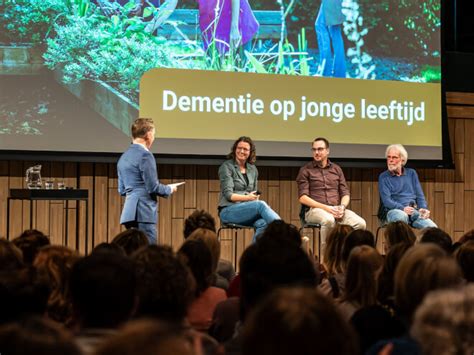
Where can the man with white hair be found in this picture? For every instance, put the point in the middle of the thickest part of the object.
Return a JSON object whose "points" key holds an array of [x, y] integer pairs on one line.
{"points": [[400, 191]]}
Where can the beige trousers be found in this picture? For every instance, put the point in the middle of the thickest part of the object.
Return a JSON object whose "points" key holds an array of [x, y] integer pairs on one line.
{"points": [[327, 221]]}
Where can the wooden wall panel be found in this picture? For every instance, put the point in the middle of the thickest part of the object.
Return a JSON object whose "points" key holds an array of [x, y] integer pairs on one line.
{"points": [[190, 188], [4, 186], [114, 204], [450, 194], [86, 181], [69, 178], [469, 154]]}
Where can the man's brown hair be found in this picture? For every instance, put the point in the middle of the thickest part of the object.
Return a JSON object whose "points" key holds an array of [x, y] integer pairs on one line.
{"points": [[141, 126], [326, 142]]}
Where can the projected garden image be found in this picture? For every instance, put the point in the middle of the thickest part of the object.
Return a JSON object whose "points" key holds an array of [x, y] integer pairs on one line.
{"points": [[117, 43], [112, 43]]}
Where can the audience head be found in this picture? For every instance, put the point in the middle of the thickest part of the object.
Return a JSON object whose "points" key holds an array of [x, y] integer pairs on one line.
{"points": [[363, 268], [210, 239], [108, 248], [11, 257], [281, 233], [467, 237], [197, 256], [253, 152], [423, 268], [439, 237], [103, 290], [36, 335], [354, 239], [297, 321], [465, 258], [198, 219], [398, 232], [131, 240], [444, 322], [266, 266], [334, 244], [56, 262], [386, 279], [148, 337], [30, 241], [374, 323], [23, 292], [165, 284]]}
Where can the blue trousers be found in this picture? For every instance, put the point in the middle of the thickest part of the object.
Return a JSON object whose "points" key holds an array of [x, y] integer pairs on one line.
{"points": [[252, 213], [414, 220], [333, 60]]}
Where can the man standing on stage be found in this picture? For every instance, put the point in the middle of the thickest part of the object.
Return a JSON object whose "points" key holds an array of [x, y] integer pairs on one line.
{"points": [[138, 181], [322, 188], [401, 196]]}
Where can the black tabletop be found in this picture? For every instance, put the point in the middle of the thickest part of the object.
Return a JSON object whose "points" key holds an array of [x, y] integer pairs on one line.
{"points": [[42, 194]]}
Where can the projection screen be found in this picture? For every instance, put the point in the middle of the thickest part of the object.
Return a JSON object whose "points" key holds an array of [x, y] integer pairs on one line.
{"points": [[75, 74]]}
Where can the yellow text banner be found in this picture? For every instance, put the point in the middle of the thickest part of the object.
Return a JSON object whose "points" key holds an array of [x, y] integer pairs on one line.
{"points": [[193, 104]]}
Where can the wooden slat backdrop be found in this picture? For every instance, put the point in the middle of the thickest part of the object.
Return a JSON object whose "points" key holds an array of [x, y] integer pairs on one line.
{"points": [[450, 193]]}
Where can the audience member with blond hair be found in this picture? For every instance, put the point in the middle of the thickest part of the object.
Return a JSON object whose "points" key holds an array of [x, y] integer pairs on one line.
{"points": [[444, 322], [225, 271], [210, 239]]}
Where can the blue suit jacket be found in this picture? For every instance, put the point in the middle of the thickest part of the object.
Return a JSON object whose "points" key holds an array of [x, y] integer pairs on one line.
{"points": [[138, 181]]}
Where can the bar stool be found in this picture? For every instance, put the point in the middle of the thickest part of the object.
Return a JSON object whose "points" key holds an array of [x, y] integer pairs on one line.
{"points": [[235, 227], [380, 228], [315, 227]]}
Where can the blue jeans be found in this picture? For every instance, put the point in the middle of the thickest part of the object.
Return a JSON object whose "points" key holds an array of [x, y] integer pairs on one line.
{"points": [[414, 220], [253, 213], [332, 59]]}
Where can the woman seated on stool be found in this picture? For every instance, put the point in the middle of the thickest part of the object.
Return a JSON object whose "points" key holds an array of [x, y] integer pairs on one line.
{"points": [[239, 201]]}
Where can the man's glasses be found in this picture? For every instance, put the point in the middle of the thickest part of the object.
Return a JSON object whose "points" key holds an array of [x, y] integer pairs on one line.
{"points": [[319, 150]]}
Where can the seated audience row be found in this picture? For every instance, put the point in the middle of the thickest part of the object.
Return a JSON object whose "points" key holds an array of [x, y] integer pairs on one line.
{"points": [[128, 297]]}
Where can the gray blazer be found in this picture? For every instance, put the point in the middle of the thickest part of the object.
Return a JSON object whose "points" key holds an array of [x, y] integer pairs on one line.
{"points": [[138, 181], [233, 182]]}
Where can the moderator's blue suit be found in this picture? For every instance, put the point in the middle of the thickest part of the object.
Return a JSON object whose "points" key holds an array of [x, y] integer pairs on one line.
{"points": [[138, 181]]}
